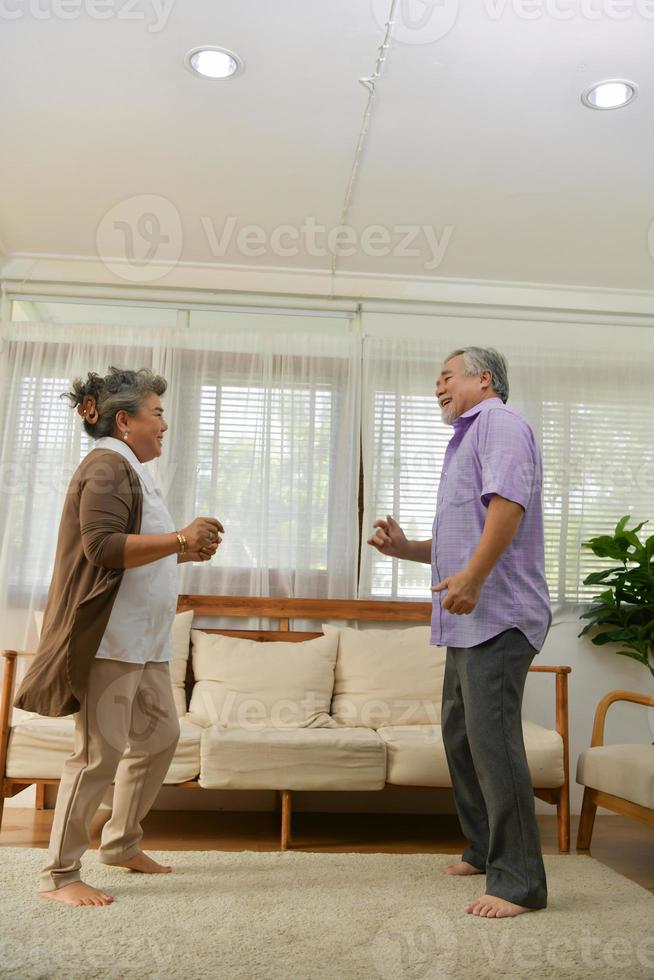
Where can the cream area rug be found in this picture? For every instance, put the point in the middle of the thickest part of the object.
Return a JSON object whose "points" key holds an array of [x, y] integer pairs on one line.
{"points": [[299, 916]]}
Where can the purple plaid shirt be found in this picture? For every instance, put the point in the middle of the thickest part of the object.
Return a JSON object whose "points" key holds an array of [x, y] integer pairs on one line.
{"points": [[493, 451]]}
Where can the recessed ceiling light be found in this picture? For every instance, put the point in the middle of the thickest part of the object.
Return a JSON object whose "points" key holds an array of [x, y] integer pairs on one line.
{"points": [[214, 63], [611, 94]]}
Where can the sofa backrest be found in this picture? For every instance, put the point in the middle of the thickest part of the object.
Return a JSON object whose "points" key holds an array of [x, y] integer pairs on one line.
{"points": [[285, 611]]}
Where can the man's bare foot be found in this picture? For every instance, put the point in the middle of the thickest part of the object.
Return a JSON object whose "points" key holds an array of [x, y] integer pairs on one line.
{"points": [[141, 862], [78, 893], [462, 868], [491, 907]]}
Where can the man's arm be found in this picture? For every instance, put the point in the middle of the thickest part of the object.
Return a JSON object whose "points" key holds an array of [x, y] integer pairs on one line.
{"points": [[389, 539], [463, 588], [420, 551]]}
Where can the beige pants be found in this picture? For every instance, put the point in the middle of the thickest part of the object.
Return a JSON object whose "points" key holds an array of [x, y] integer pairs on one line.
{"points": [[126, 707]]}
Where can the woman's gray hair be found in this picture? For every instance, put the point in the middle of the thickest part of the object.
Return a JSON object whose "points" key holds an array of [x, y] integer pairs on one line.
{"points": [[478, 359], [120, 390]]}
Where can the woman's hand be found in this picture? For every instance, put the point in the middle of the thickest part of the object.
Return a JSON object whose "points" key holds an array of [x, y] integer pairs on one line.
{"points": [[203, 535]]}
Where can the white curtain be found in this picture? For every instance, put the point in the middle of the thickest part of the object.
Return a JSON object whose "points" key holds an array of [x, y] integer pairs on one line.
{"points": [[264, 434], [588, 395]]}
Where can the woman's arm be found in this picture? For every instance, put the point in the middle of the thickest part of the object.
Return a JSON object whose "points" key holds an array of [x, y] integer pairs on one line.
{"points": [[141, 549], [105, 508], [202, 538]]}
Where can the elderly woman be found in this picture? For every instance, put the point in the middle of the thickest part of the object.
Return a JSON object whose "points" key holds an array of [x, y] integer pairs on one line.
{"points": [[105, 645]]}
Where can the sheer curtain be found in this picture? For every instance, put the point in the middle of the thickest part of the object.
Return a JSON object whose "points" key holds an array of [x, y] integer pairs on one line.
{"points": [[266, 438], [589, 400], [263, 434]]}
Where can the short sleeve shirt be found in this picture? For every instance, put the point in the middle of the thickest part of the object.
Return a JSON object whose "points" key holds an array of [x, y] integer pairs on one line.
{"points": [[493, 451]]}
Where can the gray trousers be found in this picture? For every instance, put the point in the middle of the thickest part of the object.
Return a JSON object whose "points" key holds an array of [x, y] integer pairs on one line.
{"points": [[482, 733]]}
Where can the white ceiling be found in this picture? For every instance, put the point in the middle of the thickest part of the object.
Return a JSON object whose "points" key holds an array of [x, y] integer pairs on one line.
{"points": [[481, 131]]}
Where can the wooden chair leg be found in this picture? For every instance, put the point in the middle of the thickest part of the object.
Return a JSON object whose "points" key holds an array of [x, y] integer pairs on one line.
{"points": [[586, 820], [563, 819], [39, 800], [287, 808]]}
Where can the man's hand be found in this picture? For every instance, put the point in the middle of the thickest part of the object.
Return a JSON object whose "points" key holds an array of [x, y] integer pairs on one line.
{"points": [[463, 592], [389, 538]]}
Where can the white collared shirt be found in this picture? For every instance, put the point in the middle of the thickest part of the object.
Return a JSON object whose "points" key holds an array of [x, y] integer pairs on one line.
{"points": [[142, 615]]}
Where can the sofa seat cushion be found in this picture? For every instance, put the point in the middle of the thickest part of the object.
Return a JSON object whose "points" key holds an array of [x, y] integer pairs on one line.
{"points": [[241, 683], [626, 771], [300, 759], [387, 677], [39, 746], [416, 755]]}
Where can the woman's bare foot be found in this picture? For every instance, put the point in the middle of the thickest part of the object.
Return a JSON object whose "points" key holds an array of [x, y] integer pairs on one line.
{"points": [[141, 862], [491, 907], [78, 893], [462, 868]]}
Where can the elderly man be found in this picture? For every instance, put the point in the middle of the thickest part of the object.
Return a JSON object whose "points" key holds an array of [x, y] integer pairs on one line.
{"points": [[491, 610]]}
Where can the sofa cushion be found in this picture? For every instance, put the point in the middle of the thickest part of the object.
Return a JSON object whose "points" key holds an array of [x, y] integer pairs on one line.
{"points": [[246, 684], [181, 643], [38, 748], [387, 677], [300, 759], [626, 771], [416, 755]]}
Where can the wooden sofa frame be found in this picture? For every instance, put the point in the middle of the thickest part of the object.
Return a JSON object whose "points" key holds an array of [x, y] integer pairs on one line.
{"points": [[285, 611], [595, 797]]}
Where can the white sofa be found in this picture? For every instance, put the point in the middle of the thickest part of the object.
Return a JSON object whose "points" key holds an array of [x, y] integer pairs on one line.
{"points": [[348, 709]]}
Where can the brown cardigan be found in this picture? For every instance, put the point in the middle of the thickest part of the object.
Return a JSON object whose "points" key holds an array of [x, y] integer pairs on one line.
{"points": [[103, 505]]}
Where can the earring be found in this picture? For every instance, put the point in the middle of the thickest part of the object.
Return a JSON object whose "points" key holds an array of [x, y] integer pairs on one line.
{"points": [[125, 435]]}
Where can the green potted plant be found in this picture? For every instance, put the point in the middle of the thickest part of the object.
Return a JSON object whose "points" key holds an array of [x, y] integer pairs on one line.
{"points": [[624, 612]]}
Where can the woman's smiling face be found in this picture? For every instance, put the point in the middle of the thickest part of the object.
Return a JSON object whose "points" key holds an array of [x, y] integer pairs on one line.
{"points": [[145, 430]]}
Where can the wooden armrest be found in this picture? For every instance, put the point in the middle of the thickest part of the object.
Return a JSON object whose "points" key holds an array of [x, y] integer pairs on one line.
{"points": [[5, 706], [551, 670], [604, 705], [12, 654]]}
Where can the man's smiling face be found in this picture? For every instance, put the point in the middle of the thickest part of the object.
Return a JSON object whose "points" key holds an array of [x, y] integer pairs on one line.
{"points": [[457, 391]]}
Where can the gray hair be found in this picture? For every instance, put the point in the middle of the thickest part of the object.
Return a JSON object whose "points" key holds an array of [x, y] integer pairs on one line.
{"points": [[120, 390], [478, 359]]}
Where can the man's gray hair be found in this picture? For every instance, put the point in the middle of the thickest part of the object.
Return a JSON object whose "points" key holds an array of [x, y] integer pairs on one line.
{"points": [[478, 359]]}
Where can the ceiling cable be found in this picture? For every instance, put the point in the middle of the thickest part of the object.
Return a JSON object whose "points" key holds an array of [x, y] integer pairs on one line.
{"points": [[369, 83]]}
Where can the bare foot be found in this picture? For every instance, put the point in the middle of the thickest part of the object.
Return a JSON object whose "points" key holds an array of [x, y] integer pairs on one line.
{"points": [[491, 907], [141, 862], [78, 893], [462, 868]]}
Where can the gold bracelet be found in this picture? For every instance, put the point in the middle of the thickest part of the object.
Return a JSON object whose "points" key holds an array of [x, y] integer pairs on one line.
{"points": [[182, 543]]}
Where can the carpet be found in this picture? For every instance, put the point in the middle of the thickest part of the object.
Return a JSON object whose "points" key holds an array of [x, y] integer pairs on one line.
{"points": [[300, 916]]}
